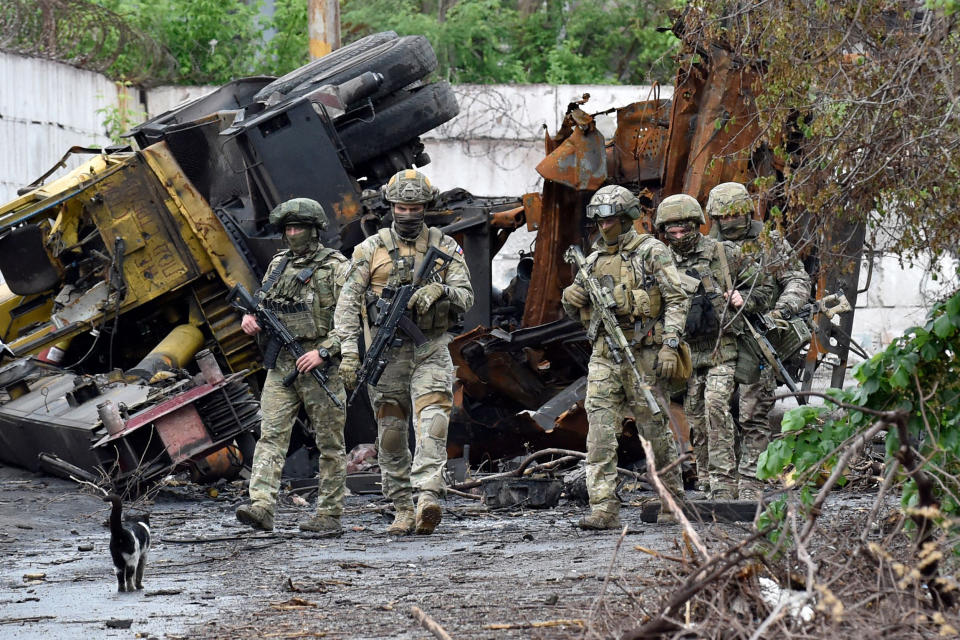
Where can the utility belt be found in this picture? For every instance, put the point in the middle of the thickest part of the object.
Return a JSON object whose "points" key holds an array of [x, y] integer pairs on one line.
{"points": [[645, 332]]}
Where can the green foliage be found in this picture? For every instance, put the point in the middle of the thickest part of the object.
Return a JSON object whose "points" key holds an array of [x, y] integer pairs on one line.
{"points": [[918, 372], [213, 41], [858, 115], [289, 47], [117, 118], [492, 41]]}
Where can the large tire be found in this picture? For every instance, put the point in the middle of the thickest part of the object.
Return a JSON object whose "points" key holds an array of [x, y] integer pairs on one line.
{"points": [[426, 108], [401, 62], [298, 76]]}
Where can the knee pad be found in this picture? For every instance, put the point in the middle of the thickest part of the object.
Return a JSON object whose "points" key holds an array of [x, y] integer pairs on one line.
{"points": [[393, 435]]}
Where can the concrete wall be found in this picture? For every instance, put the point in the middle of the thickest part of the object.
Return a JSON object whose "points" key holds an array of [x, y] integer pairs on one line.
{"points": [[46, 108], [490, 148]]}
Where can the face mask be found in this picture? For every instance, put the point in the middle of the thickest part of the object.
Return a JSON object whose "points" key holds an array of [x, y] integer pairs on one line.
{"points": [[408, 225], [733, 228], [611, 234], [301, 242], [686, 242]]}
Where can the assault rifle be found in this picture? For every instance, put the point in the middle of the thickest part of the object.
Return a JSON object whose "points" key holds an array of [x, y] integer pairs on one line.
{"points": [[829, 305], [281, 337], [601, 314], [391, 316]]}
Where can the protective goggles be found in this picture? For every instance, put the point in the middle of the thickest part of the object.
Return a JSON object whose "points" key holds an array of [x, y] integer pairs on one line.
{"points": [[602, 210]]}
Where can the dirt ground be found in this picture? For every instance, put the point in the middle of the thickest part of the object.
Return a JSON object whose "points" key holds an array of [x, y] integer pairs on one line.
{"points": [[209, 577]]}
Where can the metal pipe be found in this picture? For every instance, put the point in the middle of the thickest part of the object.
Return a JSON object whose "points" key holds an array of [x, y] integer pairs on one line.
{"points": [[173, 352], [323, 27]]}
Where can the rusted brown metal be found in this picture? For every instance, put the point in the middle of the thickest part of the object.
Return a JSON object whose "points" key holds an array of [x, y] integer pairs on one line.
{"points": [[713, 125], [560, 227], [636, 151], [579, 161], [509, 219]]}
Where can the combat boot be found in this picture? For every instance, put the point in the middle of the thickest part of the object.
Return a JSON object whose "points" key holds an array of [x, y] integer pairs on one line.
{"points": [[429, 513], [324, 526], [255, 516], [599, 519], [404, 520]]}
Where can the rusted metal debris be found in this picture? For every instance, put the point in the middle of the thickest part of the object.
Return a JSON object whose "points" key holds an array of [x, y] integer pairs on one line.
{"points": [[137, 242]]}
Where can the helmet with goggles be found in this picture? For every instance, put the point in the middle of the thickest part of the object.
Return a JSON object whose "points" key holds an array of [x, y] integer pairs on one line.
{"points": [[613, 200]]}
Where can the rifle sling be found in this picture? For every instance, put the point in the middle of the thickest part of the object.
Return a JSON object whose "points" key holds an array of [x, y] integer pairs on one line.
{"points": [[412, 330], [273, 277]]}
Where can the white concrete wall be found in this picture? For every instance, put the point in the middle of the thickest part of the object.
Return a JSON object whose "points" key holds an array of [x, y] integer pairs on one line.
{"points": [[493, 145], [490, 148], [46, 108]]}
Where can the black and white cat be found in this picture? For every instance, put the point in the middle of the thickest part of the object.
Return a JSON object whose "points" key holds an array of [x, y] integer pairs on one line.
{"points": [[129, 544]]}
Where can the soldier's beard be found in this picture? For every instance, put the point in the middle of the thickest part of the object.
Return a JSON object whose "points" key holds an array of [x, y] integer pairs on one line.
{"points": [[734, 228], [408, 225], [302, 242], [685, 243]]}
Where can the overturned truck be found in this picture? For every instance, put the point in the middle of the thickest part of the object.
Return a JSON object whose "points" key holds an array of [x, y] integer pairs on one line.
{"points": [[117, 273]]}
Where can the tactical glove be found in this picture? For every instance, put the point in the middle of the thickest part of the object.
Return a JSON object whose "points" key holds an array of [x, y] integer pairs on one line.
{"points": [[424, 297], [576, 296], [668, 363], [348, 369]]}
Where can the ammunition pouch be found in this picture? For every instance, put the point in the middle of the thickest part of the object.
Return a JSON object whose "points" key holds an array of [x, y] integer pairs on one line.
{"points": [[642, 303], [749, 360], [299, 319], [437, 317], [788, 339]]}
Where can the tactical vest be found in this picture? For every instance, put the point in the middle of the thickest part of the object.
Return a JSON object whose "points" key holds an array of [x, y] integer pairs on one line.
{"points": [[708, 304], [394, 264], [302, 296], [626, 267]]}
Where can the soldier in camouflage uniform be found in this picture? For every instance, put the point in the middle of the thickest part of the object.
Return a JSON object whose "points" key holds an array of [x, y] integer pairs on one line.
{"points": [[301, 286], [726, 284], [418, 381], [651, 307], [731, 208]]}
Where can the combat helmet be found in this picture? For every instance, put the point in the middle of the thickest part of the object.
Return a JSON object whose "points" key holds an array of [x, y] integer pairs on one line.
{"points": [[299, 211], [409, 187], [613, 200], [729, 198], [678, 208]]}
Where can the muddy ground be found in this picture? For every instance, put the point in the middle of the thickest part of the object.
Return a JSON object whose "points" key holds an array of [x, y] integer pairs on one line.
{"points": [[209, 577]]}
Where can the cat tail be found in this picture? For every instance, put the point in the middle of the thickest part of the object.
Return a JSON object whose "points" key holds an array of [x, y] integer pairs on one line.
{"points": [[116, 514]]}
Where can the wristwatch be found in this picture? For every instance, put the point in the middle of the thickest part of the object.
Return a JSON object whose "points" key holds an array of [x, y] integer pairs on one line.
{"points": [[673, 342]]}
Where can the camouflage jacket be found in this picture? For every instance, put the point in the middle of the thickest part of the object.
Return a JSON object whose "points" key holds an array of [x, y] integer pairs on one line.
{"points": [[372, 268], [704, 266], [302, 290], [642, 264], [775, 256]]}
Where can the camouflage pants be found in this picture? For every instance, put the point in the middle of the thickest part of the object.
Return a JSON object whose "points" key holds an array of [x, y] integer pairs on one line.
{"points": [[756, 401], [418, 381], [707, 405], [279, 406], [611, 395]]}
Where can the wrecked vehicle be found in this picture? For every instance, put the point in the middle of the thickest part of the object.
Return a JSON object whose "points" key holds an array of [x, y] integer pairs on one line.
{"points": [[117, 273]]}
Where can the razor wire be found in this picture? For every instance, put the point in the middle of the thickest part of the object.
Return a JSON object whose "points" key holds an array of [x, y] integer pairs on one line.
{"points": [[84, 35]]}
